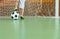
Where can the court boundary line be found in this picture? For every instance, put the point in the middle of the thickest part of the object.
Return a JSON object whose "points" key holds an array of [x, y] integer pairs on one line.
{"points": [[30, 16]]}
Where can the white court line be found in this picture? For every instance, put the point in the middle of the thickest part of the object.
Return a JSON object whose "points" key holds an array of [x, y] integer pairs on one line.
{"points": [[56, 33], [8, 17]]}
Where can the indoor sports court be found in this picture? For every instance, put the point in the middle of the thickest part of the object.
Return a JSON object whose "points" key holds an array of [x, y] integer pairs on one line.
{"points": [[41, 20]]}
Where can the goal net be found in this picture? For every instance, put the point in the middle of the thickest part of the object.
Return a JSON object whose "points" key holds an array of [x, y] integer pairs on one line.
{"points": [[32, 7]]}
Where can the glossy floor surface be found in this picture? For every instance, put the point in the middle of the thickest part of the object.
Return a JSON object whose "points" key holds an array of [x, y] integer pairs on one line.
{"points": [[30, 28]]}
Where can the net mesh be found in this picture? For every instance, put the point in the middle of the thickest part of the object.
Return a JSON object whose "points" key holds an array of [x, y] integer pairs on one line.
{"points": [[40, 7], [6, 7]]}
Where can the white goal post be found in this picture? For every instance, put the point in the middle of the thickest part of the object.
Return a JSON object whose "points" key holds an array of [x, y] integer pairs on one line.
{"points": [[57, 9]]}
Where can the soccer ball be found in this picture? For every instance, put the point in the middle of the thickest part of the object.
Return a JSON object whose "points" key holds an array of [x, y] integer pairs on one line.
{"points": [[15, 15]]}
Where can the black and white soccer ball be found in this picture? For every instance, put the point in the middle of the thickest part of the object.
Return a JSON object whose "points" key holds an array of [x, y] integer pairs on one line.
{"points": [[15, 15]]}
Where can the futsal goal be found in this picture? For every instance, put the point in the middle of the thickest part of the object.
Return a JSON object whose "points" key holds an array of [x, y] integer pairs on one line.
{"points": [[32, 8]]}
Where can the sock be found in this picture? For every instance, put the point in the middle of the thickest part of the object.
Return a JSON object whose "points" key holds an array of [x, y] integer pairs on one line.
{"points": [[15, 9], [21, 15]]}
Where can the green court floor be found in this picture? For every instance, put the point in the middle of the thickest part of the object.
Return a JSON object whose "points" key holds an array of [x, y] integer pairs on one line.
{"points": [[30, 28]]}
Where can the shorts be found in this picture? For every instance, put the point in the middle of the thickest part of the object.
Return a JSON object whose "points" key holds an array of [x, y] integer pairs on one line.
{"points": [[22, 4]]}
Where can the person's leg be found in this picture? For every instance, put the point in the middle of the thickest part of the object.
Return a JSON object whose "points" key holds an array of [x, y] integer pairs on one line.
{"points": [[21, 11], [16, 5], [21, 8]]}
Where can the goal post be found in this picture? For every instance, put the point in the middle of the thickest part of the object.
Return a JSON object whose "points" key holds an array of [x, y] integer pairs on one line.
{"points": [[57, 8]]}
